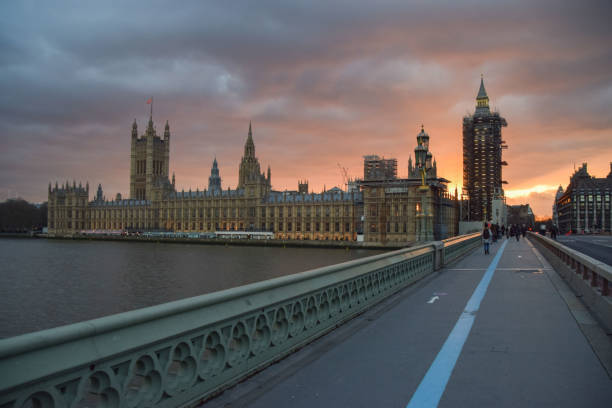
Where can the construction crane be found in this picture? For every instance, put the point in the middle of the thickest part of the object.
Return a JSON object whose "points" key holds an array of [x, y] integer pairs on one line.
{"points": [[344, 173]]}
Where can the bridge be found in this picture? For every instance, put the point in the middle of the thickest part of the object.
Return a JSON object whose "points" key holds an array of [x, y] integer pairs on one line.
{"points": [[439, 324]]}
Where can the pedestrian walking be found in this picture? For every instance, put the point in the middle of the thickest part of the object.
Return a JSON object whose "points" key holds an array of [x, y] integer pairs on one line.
{"points": [[486, 239]]}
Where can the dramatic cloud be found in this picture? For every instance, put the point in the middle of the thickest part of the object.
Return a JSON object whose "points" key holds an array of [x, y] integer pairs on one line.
{"points": [[323, 82]]}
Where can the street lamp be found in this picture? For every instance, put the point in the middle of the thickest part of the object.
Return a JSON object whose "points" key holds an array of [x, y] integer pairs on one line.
{"points": [[421, 161], [423, 164], [423, 156]]}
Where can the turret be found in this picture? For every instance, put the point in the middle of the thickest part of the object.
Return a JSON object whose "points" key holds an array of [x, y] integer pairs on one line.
{"points": [[167, 131], [99, 194], [214, 181], [410, 165], [303, 186], [423, 138], [150, 129], [134, 130]]}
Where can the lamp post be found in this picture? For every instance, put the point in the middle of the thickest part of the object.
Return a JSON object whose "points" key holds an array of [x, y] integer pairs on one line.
{"points": [[423, 163]]}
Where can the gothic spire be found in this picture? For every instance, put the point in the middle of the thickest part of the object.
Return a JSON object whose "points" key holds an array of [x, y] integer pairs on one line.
{"points": [[482, 99], [214, 181], [482, 93], [167, 131], [249, 147]]}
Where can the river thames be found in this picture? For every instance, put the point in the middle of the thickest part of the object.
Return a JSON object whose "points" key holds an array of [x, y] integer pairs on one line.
{"points": [[49, 283]]}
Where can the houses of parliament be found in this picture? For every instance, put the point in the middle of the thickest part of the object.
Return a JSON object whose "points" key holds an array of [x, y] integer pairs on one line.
{"points": [[378, 208]]}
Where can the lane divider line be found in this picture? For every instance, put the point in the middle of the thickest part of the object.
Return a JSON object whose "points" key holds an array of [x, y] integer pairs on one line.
{"points": [[432, 386]]}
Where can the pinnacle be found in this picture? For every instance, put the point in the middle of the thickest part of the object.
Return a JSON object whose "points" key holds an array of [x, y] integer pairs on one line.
{"points": [[482, 93]]}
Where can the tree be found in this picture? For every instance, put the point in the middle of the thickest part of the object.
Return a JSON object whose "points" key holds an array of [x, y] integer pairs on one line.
{"points": [[17, 215]]}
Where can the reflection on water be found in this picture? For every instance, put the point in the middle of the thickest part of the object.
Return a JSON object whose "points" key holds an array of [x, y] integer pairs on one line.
{"points": [[48, 283]]}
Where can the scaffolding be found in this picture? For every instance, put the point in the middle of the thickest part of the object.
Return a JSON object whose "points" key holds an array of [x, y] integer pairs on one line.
{"points": [[377, 168]]}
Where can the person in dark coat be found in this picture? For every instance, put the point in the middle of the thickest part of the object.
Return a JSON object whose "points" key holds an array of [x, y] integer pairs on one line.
{"points": [[486, 238]]}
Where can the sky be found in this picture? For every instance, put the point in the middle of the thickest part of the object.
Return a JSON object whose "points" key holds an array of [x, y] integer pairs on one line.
{"points": [[323, 82]]}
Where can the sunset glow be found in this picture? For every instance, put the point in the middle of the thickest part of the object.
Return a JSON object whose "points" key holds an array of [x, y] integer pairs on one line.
{"points": [[323, 85]]}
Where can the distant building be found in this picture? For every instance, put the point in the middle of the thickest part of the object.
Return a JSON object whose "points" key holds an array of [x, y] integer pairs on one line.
{"points": [[156, 205], [584, 206], [555, 208], [521, 215], [482, 160], [405, 210], [397, 210]]}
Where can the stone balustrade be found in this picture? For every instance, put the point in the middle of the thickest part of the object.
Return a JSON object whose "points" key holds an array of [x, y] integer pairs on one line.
{"points": [[589, 278], [183, 352]]}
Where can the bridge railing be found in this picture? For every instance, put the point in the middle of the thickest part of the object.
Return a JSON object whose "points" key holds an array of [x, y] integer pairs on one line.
{"points": [[588, 277], [182, 352], [456, 247]]}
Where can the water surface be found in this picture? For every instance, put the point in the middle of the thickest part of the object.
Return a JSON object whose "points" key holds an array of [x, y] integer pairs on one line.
{"points": [[49, 283]]}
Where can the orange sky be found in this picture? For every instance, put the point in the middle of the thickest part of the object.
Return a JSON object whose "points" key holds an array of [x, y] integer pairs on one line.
{"points": [[322, 84]]}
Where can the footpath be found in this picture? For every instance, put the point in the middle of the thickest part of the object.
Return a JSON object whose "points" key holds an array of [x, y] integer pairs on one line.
{"points": [[497, 330]]}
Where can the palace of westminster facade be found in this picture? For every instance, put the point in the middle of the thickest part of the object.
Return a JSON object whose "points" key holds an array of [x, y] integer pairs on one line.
{"points": [[376, 209]]}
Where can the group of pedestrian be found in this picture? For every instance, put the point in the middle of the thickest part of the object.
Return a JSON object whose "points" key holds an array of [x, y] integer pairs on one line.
{"points": [[492, 232]]}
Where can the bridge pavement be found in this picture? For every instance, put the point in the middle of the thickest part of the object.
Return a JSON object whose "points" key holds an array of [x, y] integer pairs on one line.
{"points": [[525, 347]]}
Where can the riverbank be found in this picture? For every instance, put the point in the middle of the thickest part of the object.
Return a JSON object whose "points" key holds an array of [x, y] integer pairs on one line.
{"points": [[284, 243], [19, 235]]}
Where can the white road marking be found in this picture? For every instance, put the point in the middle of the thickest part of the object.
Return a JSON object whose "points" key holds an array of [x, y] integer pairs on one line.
{"points": [[433, 299]]}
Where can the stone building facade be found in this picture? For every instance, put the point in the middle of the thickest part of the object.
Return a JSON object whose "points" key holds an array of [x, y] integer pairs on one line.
{"points": [[522, 215], [156, 205], [405, 210], [585, 205]]}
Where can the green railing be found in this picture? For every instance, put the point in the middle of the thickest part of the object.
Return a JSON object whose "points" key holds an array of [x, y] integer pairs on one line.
{"points": [[182, 352]]}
